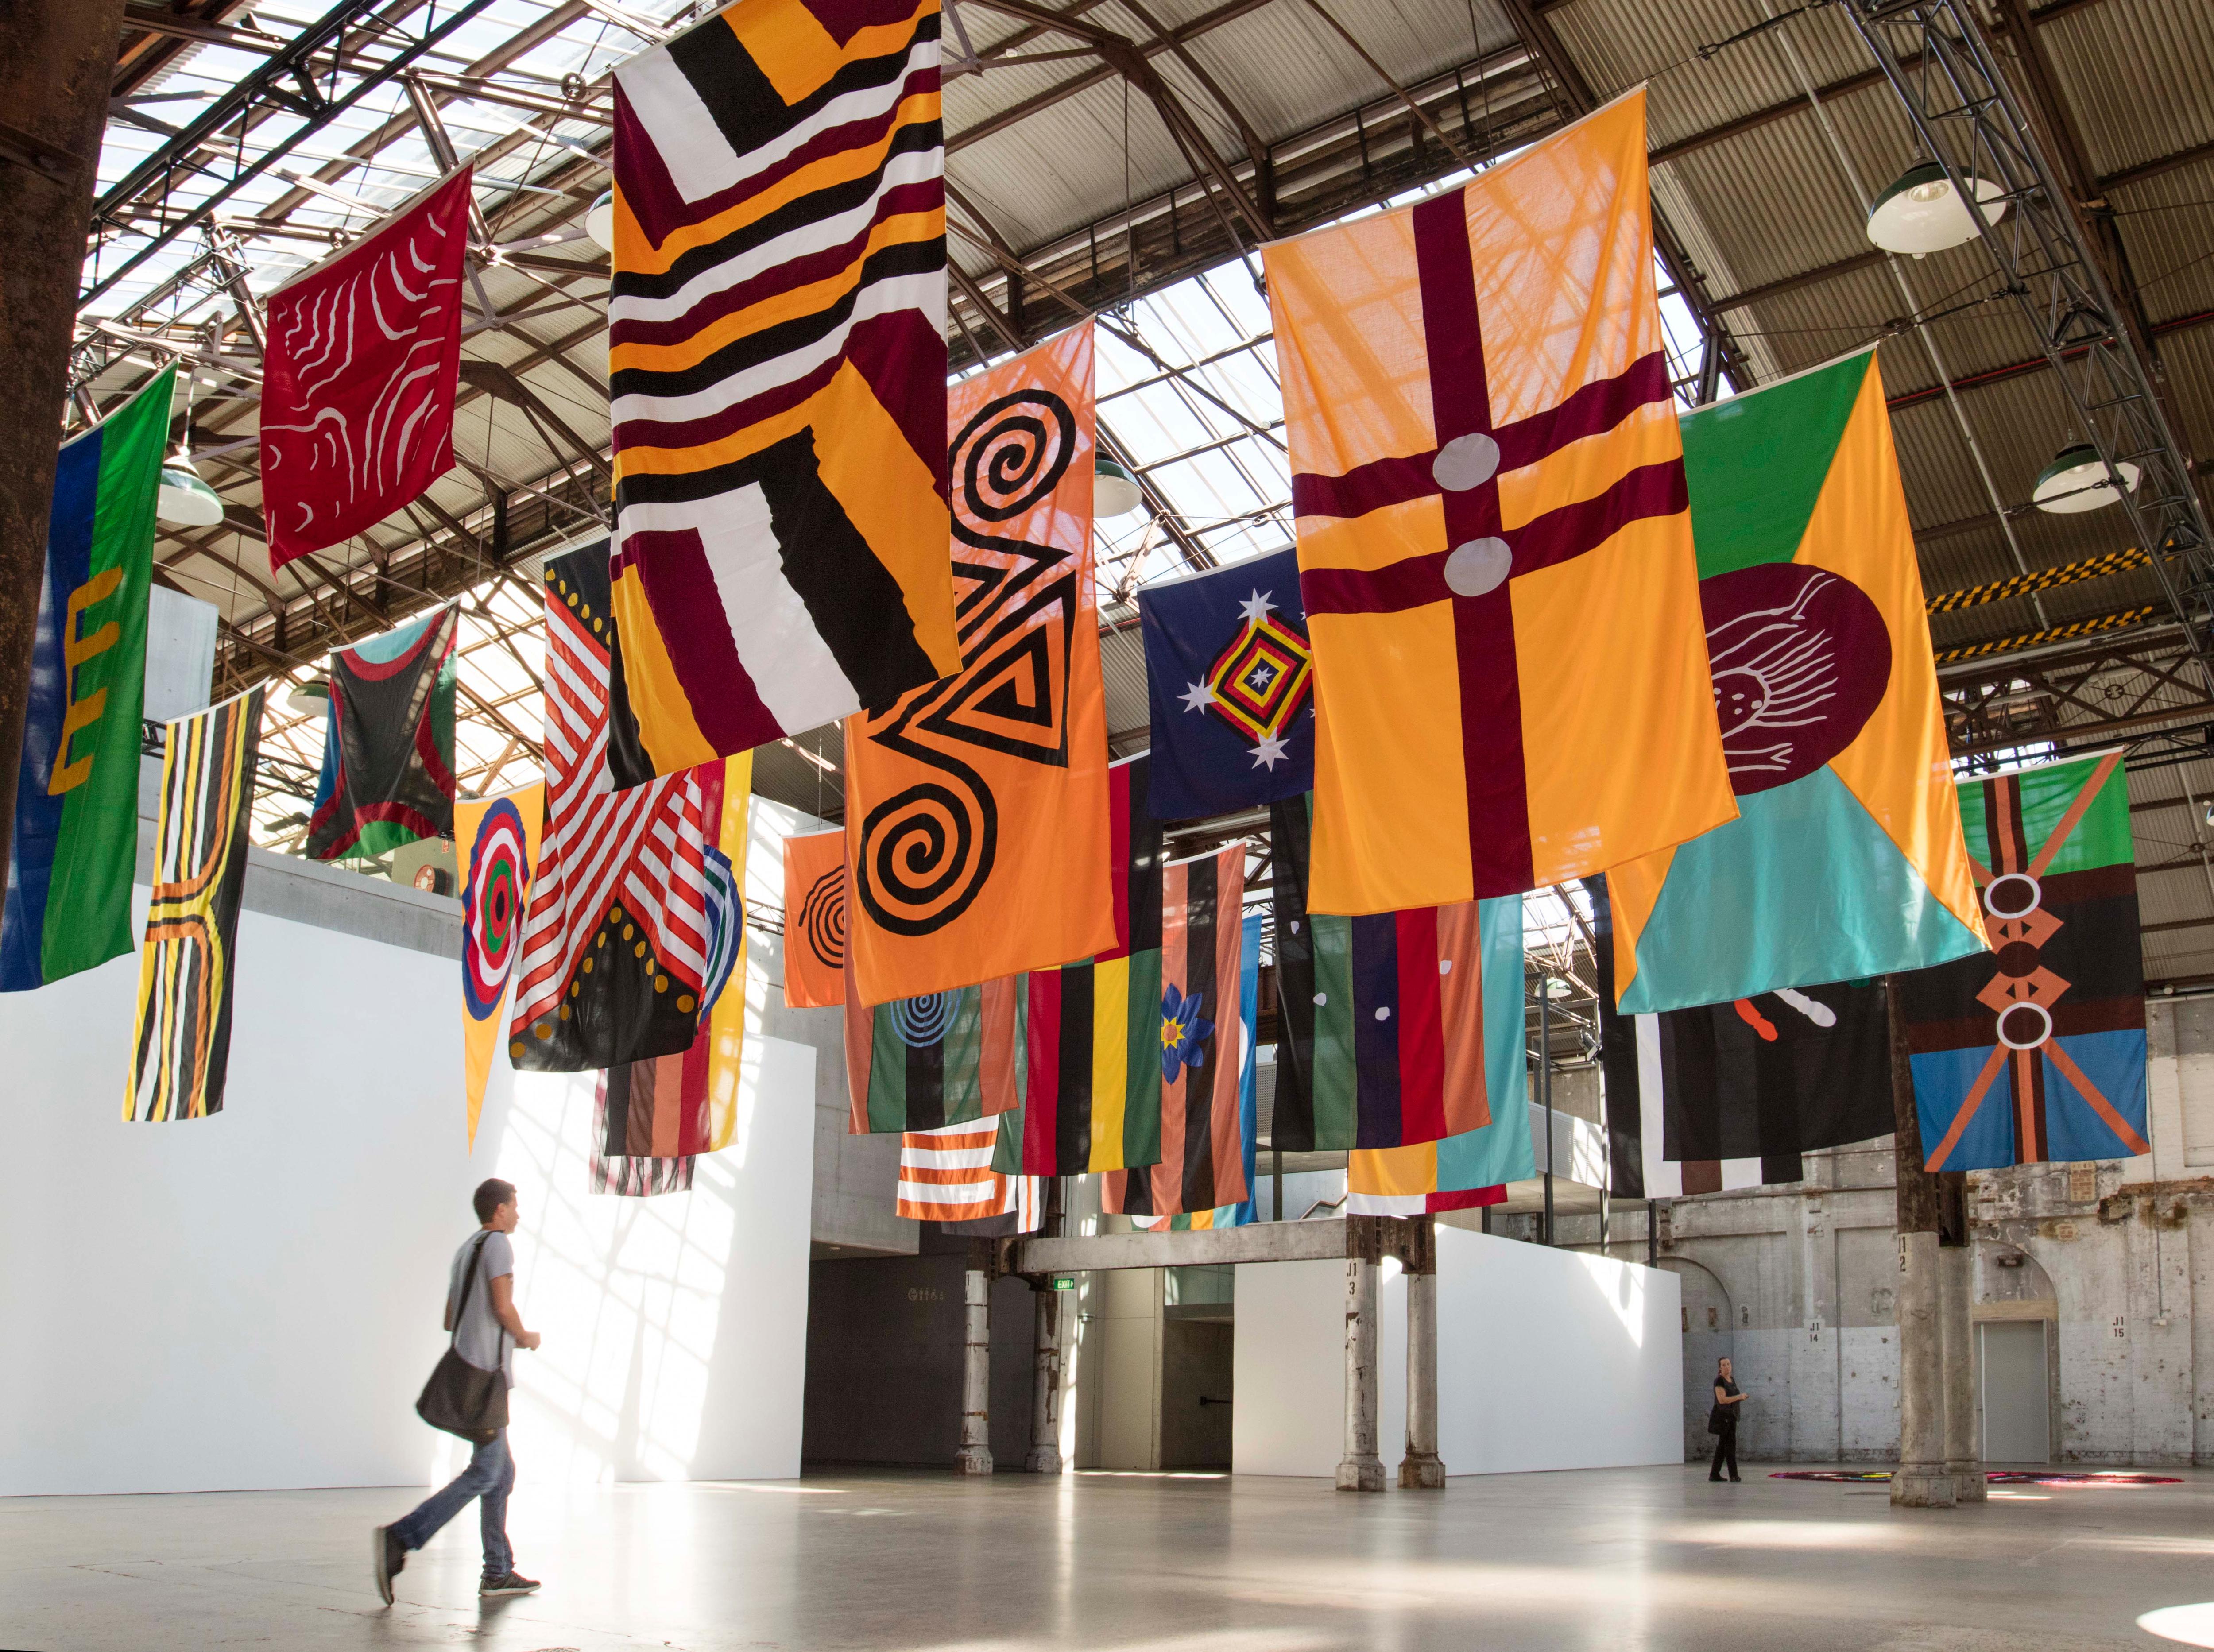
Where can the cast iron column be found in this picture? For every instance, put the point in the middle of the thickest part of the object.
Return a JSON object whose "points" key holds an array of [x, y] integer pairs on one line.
{"points": [[975, 1456], [1362, 1469], [1956, 1294], [1421, 1469], [53, 103], [1920, 1481]]}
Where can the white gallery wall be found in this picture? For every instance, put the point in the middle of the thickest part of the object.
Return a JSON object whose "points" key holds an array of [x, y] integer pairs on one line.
{"points": [[1547, 1359], [253, 1300]]}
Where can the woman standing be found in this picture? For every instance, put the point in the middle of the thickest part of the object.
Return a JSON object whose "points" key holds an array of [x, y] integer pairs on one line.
{"points": [[1722, 1422]]}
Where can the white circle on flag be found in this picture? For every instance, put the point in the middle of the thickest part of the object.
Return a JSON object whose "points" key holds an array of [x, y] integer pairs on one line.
{"points": [[1465, 462], [1479, 566]]}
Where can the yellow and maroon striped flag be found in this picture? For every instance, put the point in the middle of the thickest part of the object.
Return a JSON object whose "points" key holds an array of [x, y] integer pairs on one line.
{"points": [[1495, 540]]}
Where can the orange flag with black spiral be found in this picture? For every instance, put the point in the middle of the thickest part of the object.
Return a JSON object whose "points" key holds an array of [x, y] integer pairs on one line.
{"points": [[976, 807]]}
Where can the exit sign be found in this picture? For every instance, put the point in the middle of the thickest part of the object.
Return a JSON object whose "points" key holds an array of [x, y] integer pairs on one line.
{"points": [[1064, 1283]]}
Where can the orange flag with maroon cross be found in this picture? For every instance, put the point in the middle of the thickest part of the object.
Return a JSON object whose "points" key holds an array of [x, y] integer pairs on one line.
{"points": [[1495, 541]]}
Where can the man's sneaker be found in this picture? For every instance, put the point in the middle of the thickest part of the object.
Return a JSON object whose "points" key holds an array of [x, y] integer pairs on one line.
{"points": [[513, 1583], [387, 1558]]}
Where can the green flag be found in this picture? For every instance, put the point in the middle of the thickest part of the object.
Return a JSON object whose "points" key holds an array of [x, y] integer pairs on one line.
{"points": [[75, 842]]}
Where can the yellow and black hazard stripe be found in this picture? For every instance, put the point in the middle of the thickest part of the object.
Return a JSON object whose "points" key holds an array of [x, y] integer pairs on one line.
{"points": [[2021, 584], [2114, 622]]}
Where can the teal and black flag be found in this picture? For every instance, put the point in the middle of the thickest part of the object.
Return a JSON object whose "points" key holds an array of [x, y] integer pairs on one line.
{"points": [[387, 774]]}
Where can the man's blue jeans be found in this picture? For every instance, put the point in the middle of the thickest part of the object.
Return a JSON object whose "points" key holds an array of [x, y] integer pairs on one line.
{"points": [[489, 1478]]}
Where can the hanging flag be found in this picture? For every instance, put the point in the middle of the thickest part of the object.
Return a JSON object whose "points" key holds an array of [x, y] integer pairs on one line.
{"points": [[1424, 1180], [1230, 684], [815, 921], [615, 946], [1470, 1167], [1383, 1033], [637, 1179], [387, 774], [640, 1111], [943, 1058], [948, 1175], [1203, 1159], [977, 808], [1249, 1011], [74, 847], [2036, 1052], [496, 845], [189, 962], [1494, 550], [357, 384], [653, 1117], [1845, 860], [778, 369], [1093, 1101], [1731, 1095]]}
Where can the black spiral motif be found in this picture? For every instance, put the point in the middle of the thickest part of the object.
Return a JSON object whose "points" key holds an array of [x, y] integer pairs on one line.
{"points": [[925, 852], [823, 918], [1011, 455]]}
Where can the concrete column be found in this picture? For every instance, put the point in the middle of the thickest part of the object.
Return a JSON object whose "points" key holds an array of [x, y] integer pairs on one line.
{"points": [[1363, 1470], [1421, 1469], [976, 1456], [1964, 1448], [1920, 1480], [53, 80], [1045, 1389]]}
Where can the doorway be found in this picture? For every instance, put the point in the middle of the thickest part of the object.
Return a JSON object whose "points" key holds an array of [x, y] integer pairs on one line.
{"points": [[2017, 1402]]}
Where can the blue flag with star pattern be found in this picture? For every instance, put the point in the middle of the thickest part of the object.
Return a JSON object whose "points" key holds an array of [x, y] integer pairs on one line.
{"points": [[1232, 684]]}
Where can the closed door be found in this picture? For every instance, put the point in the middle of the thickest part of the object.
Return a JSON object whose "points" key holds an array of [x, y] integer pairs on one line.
{"points": [[2017, 1412]]}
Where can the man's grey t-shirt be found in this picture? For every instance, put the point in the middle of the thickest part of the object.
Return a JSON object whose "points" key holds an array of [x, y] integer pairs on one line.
{"points": [[482, 1337]]}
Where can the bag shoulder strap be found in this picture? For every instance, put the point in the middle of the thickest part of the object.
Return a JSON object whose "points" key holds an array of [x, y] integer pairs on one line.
{"points": [[469, 1279]]}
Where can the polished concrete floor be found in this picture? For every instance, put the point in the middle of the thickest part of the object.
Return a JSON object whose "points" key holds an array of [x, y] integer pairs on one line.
{"points": [[1613, 1559]]}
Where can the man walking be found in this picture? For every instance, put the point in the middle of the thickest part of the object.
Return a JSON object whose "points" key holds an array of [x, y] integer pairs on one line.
{"points": [[481, 1290]]}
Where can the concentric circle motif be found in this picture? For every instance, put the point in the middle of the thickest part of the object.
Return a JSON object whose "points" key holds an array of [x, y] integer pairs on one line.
{"points": [[726, 919], [492, 909], [921, 1022], [823, 919]]}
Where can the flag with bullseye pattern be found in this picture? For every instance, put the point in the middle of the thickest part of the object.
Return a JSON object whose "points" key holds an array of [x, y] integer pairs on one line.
{"points": [[495, 846]]}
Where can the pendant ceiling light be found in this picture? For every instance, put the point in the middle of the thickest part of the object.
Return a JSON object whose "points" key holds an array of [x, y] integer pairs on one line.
{"points": [[1922, 213], [310, 698], [186, 501], [1114, 491], [600, 221], [2076, 480]]}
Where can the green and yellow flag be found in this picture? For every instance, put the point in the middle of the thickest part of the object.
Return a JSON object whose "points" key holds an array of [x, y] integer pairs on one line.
{"points": [[1846, 857], [76, 844]]}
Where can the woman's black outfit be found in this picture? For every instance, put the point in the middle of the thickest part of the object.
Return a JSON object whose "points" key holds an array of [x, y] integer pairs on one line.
{"points": [[1721, 1423]]}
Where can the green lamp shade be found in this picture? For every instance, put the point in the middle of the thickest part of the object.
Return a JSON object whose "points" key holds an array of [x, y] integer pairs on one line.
{"points": [[2076, 480], [1922, 213], [1114, 491]]}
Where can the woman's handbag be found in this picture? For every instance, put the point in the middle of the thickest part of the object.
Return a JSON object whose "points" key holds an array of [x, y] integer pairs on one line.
{"points": [[460, 1398], [1718, 1419]]}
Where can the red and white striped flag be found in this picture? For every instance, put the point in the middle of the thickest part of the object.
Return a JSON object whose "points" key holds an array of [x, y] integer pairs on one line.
{"points": [[947, 1175]]}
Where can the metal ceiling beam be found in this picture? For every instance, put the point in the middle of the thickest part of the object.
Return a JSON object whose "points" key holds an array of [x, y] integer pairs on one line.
{"points": [[1967, 118], [1538, 34], [287, 83]]}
